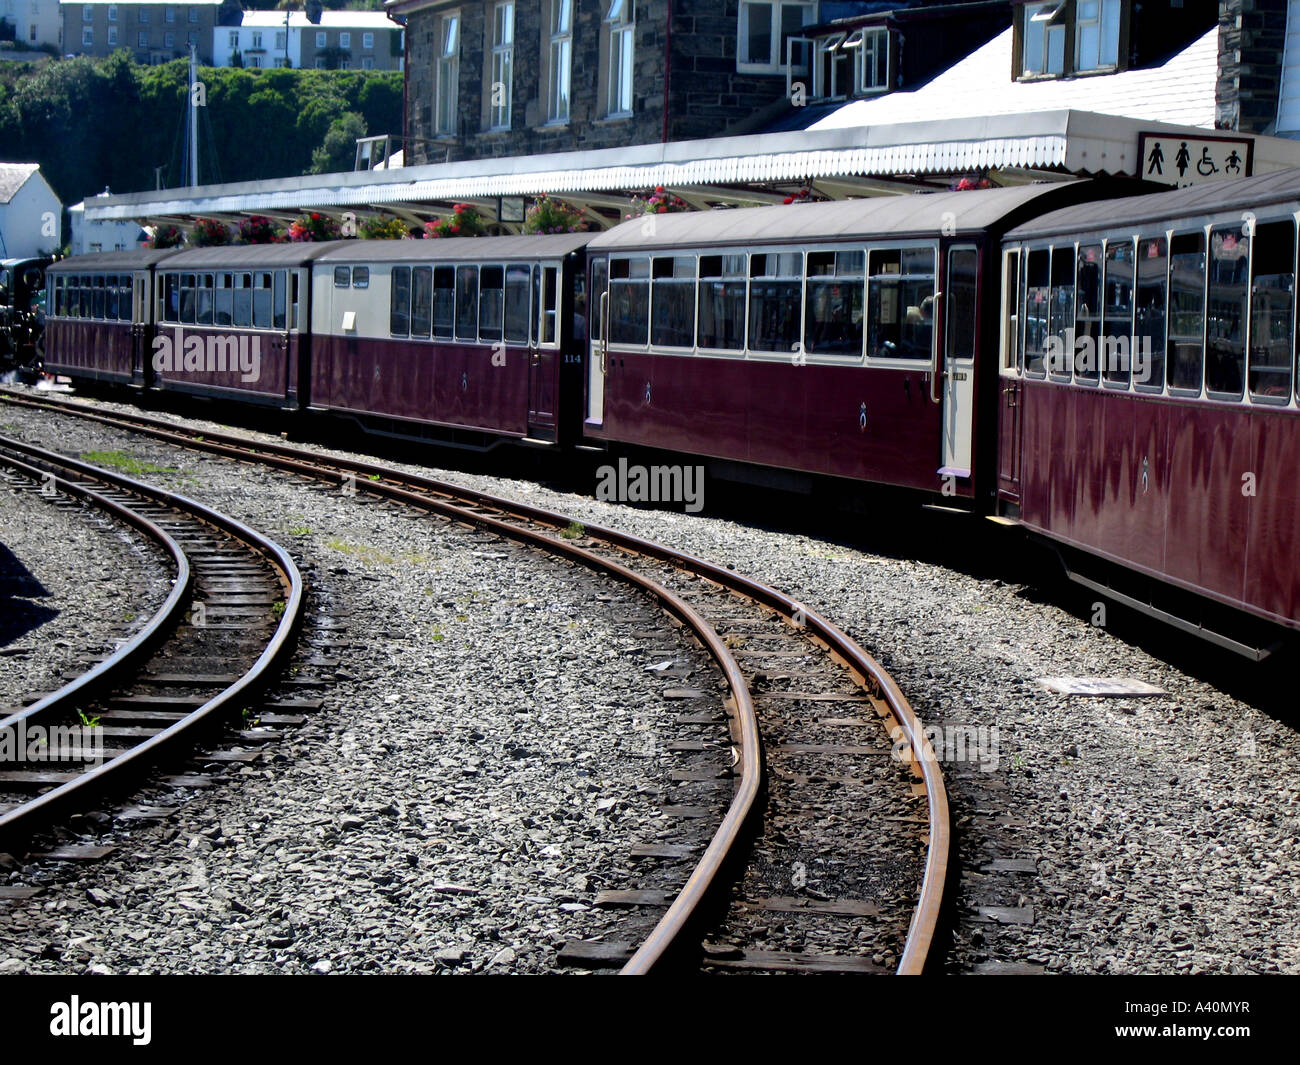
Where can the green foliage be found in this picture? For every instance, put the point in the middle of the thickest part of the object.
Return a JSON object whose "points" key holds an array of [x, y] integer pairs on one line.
{"points": [[339, 149], [384, 229], [73, 116]]}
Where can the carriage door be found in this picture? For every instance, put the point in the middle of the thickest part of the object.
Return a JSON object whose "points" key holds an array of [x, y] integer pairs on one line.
{"points": [[959, 360], [597, 312], [1009, 379], [141, 332], [543, 353]]}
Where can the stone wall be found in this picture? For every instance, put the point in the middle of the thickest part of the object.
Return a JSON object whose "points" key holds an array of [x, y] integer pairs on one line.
{"points": [[1252, 35]]}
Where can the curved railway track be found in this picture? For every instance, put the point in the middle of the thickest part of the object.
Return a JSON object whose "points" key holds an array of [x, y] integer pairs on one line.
{"points": [[744, 626], [221, 633]]}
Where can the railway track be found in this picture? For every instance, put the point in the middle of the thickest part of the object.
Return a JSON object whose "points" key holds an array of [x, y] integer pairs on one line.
{"points": [[826, 779], [223, 631]]}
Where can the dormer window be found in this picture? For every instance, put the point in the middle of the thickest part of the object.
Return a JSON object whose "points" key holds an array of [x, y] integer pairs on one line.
{"points": [[1058, 38], [764, 30]]}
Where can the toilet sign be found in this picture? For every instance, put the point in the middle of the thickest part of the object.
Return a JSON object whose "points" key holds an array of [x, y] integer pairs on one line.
{"points": [[1183, 161]]}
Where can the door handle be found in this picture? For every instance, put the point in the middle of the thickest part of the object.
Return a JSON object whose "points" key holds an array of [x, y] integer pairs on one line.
{"points": [[936, 372], [604, 332]]}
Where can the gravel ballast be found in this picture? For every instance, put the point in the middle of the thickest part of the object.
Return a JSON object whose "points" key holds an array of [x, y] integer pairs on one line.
{"points": [[1161, 831]]}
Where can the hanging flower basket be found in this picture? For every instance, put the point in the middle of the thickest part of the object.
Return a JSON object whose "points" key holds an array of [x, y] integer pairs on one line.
{"points": [[166, 237], [464, 221], [804, 195], [384, 229], [314, 227], [209, 233], [553, 216], [971, 181], [258, 229], [658, 202]]}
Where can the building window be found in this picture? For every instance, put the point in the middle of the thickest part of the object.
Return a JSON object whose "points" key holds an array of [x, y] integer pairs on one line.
{"points": [[873, 61], [255, 61], [560, 56], [320, 64], [194, 14], [345, 64], [88, 37], [170, 14], [142, 39], [764, 30], [280, 39], [142, 14], [1061, 37], [345, 40], [368, 42], [320, 40], [169, 40], [257, 40], [620, 29], [234, 39], [448, 74], [112, 35], [112, 12], [87, 13], [367, 62], [501, 83]]}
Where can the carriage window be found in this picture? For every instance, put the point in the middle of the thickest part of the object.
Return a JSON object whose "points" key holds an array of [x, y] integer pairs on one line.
{"points": [[1272, 328], [278, 313], [1225, 342], [98, 296], [1149, 332], [1060, 314], [421, 300], [900, 303], [361, 277], [776, 280], [1117, 314], [1010, 309], [223, 301], [1087, 313], [467, 303], [722, 302], [444, 301], [833, 303], [124, 297], [1038, 291], [55, 298], [599, 285], [629, 300], [491, 302], [672, 321], [243, 300], [518, 295], [187, 298], [550, 293], [171, 299], [262, 300], [399, 302], [962, 280], [342, 276], [203, 314], [1186, 344], [110, 298]]}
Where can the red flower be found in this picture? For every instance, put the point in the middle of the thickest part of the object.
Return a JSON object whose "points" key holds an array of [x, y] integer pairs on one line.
{"points": [[455, 228], [788, 199], [662, 210], [659, 188]]}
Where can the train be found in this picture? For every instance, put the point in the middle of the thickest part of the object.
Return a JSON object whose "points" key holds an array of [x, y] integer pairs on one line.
{"points": [[1112, 373], [22, 314]]}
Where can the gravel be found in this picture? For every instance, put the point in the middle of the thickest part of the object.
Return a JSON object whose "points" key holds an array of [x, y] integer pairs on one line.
{"points": [[1163, 833]]}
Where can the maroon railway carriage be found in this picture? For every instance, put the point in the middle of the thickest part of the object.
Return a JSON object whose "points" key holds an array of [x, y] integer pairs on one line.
{"points": [[98, 318], [1180, 460], [234, 321], [847, 338], [479, 338]]}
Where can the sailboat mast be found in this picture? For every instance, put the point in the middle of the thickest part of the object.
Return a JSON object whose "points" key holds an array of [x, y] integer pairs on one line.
{"points": [[194, 117]]}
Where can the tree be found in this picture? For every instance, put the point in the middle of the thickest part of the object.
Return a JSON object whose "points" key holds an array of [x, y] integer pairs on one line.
{"points": [[338, 151]]}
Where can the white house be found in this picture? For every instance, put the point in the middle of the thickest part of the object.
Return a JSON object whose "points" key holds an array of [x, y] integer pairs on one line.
{"points": [[35, 22], [91, 236], [261, 40], [30, 214]]}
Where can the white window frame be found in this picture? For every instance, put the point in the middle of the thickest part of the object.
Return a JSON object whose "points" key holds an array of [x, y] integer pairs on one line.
{"points": [[368, 42], [320, 39], [194, 14], [169, 14], [620, 35], [345, 39], [255, 62], [559, 80], [234, 40], [87, 13], [775, 62], [878, 36], [503, 65], [1040, 22], [367, 62], [142, 39], [169, 40], [1110, 13], [447, 76], [88, 37], [112, 35], [112, 12], [256, 39], [281, 39]]}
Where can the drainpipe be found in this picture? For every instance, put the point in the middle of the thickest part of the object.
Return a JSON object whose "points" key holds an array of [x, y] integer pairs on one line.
{"points": [[668, 65]]}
